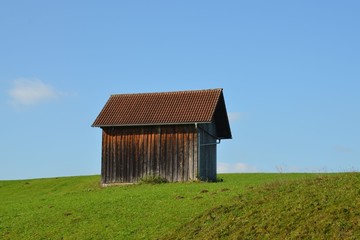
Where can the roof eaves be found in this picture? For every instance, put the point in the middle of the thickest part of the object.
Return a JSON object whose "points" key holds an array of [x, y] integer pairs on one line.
{"points": [[146, 124]]}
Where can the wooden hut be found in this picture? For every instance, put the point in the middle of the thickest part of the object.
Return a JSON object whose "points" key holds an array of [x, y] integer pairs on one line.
{"points": [[172, 135]]}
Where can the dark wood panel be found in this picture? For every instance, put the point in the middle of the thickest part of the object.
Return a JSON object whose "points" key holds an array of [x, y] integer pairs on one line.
{"points": [[207, 152]]}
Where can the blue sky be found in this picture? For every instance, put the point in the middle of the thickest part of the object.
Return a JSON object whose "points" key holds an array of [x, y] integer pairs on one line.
{"points": [[290, 71]]}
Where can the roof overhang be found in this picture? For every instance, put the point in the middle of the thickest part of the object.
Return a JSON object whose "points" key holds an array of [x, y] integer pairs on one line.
{"points": [[149, 124]]}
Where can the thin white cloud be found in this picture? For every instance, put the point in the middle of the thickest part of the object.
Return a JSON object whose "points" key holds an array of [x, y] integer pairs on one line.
{"points": [[28, 92], [235, 168], [236, 116], [286, 169], [283, 168], [342, 148]]}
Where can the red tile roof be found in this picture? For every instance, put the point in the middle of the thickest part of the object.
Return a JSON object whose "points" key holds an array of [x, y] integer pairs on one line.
{"points": [[161, 108]]}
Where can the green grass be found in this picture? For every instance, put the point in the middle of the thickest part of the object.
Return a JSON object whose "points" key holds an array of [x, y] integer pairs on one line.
{"points": [[325, 207], [78, 208]]}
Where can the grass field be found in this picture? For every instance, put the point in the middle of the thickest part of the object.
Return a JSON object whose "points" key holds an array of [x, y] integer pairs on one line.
{"points": [[78, 208], [325, 207]]}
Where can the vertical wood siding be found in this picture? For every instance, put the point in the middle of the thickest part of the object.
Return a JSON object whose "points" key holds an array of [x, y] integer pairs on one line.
{"points": [[131, 153], [207, 168]]}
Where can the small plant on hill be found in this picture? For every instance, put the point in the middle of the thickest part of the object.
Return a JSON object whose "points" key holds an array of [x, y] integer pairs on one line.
{"points": [[153, 179], [219, 179]]}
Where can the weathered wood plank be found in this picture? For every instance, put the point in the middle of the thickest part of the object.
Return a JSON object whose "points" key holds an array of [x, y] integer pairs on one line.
{"points": [[186, 154], [103, 158], [134, 153], [157, 150], [170, 156], [144, 155], [180, 138], [127, 155], [114, 155], [196, 155], [121, 155], [175, 155], [117, 157], [108, 158], [163, 145], [140, 154], [191, 155]]}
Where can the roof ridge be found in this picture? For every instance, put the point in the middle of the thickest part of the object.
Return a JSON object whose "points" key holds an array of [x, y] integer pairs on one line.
{"points": [[169, 92]]}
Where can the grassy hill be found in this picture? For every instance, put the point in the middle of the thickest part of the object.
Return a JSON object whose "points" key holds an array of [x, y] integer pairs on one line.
{"points": [[325, 207], [78, 208]]}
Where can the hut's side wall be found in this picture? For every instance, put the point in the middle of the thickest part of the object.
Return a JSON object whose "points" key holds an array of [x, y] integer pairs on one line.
{"points": [[132, 153], [207, 163]]}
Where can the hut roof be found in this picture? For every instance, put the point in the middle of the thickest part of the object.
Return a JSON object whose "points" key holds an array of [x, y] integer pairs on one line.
{"points": [[181, 107]]}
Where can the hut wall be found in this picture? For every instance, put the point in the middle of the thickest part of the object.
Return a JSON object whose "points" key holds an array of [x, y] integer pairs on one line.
{"points": [[207, 145], [132, 153]]}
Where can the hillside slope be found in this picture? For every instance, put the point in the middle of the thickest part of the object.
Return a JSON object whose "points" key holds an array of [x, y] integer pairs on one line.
{"points": [[78, 208], [325, 207]]}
